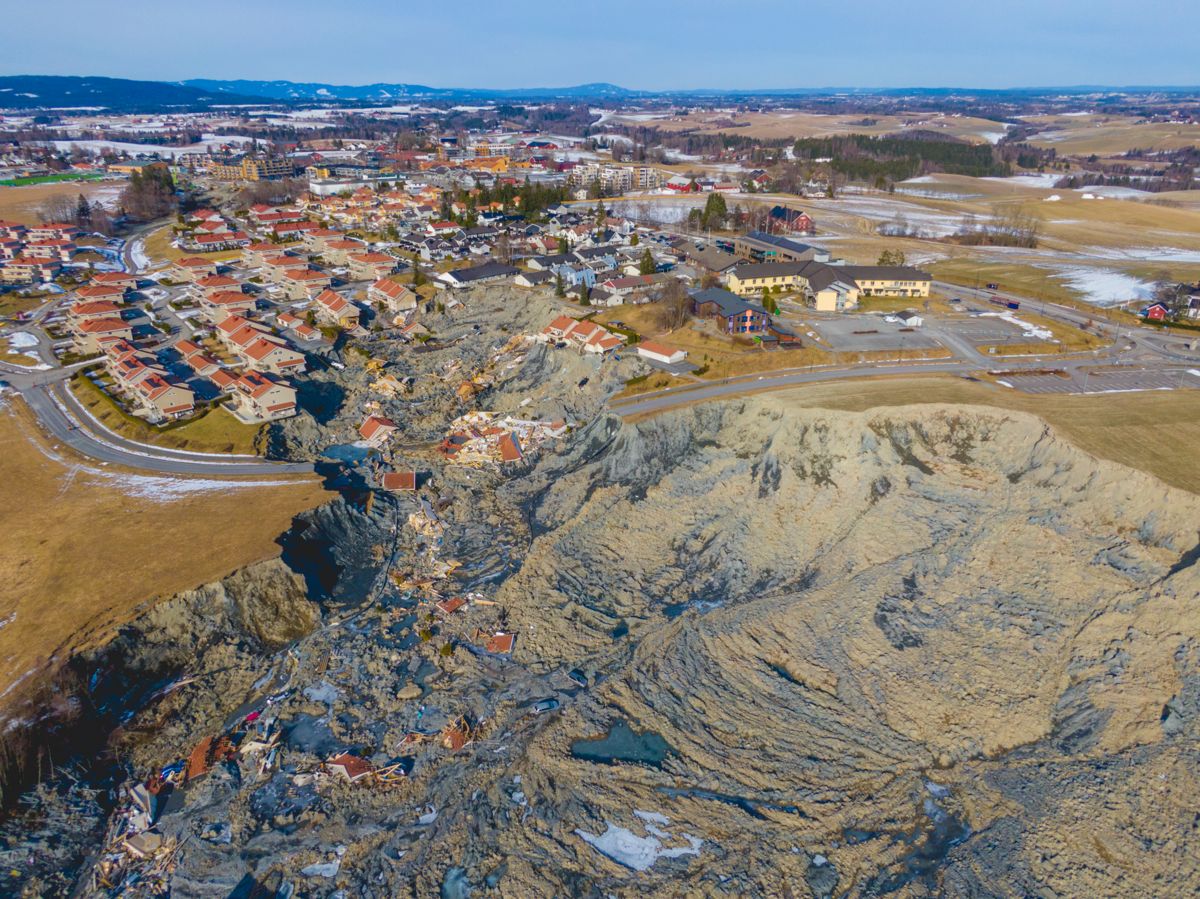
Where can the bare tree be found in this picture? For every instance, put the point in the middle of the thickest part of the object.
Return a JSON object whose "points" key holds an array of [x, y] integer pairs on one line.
{"points": [[673, 311]]}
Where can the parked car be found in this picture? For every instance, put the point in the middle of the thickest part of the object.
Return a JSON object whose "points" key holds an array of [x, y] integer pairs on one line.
{"points": [[544, 705]]}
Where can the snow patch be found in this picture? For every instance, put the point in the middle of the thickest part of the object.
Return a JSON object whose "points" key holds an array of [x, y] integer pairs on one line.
{"points": [[1028, 330], [640, 853], [1104, 287]]}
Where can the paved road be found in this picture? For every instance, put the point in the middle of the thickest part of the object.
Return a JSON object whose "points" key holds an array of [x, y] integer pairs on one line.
{"points": [[66, 421], [657, 402]]}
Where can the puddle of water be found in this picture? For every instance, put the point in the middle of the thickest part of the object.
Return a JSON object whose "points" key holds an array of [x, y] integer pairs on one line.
{"points": [[623, 744], [351, 453]]}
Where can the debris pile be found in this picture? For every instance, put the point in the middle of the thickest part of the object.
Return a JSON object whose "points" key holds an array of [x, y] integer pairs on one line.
{"points": [[478, 438]]}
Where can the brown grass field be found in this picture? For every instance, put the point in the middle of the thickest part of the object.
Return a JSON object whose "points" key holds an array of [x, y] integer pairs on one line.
{"points": [[82, 550], [1106, 135], [160, 250], [22, 204], [782, 123], [1103, 135]]}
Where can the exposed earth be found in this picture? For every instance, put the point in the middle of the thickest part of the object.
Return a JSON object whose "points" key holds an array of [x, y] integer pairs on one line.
{"points": [[914, 651]]}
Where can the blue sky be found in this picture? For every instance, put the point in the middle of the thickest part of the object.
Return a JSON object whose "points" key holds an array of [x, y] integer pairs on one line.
{"points": [[649, 44]]}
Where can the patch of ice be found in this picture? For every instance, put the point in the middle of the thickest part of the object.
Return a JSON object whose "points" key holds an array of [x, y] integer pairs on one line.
{"points": [[323, 692], [137, 254], [324, 869], [22, 340], [429, 817], [1053, 198], [1004, 384], [639, 853], [652, 817]]}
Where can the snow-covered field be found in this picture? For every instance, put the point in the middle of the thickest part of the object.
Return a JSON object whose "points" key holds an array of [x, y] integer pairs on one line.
{"points": [[209, 141], [665, 211], [916, 220], [1043, 180], [1105, 287]]}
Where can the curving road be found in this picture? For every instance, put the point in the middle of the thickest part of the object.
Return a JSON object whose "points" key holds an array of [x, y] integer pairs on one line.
{"points": [[1153, 348]]}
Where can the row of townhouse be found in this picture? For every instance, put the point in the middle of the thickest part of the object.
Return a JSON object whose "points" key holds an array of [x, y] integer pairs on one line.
{"points": [[258, 397], [257, 347], [209, 232], [141, 379], [34, 254], [393, 296]]}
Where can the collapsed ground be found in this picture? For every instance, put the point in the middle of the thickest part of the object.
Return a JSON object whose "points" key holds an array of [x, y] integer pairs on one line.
{"points": [[907, 651]]}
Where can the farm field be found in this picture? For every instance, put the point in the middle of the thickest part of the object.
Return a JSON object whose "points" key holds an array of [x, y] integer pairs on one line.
{"points": [[785, 124], [1106, 135], [22, 204]]}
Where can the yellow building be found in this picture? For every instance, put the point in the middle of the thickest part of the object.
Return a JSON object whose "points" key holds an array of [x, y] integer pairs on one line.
{"points": [[889, 280], [828, 288], [252, 168]]}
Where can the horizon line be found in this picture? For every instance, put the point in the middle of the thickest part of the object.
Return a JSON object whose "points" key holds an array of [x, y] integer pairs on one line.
{"points": [[647, 91]]}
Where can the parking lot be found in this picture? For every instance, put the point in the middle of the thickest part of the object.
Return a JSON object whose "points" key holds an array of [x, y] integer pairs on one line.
{"points": [[863, 333], [1101, 381], [981, 331]]}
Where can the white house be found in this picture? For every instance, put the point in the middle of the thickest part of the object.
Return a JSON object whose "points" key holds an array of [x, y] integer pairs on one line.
{"points": [[660, 352]]}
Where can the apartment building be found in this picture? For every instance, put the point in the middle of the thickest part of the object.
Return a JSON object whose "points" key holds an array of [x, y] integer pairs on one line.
{"points": [[251, 168]]}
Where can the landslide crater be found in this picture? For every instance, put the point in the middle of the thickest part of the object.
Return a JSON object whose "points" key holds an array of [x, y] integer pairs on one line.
{"points": [[876, 639]]}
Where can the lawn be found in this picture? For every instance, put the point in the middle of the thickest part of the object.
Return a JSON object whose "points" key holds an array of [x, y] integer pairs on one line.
{"points": [[215, 431], [159, 249], [51, 179], [83, 547]]}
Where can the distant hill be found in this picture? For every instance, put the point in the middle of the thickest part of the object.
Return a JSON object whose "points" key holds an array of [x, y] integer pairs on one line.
{"points": [[121, 94], [124, 95], [291, 91]]}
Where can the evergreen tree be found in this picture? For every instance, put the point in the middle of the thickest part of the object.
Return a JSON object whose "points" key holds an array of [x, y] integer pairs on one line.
{"points": [[559, 289], [715, 211], [646, 265]]}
